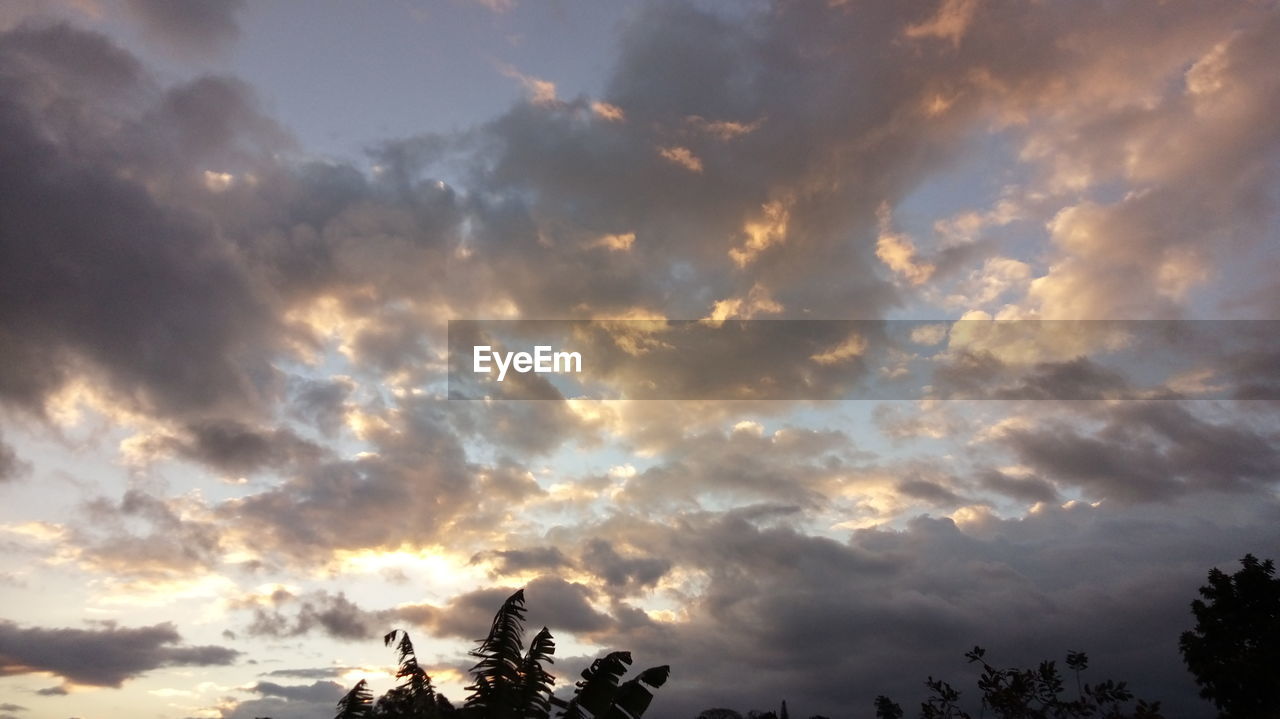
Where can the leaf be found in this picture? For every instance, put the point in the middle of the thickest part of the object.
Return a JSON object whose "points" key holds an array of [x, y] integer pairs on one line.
{"points": [[497, 685], [357, 703], [536, 682], [633, 698], [599, 684]]}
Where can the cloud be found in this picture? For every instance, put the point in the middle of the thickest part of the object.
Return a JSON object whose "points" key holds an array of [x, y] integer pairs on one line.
{"points": [[105, 656], [318, 692], [321, 403], [609, 112], [225, 302], [514, 561], [309, 673], [950, 22], [188, 27], [541, 92], [1026, 489], [1144, 451], [287, 701], [622, 572], [898, 253], [332, 614], [682, 156], [145, 537], [410, 490], [790, 466], [889, 606], [561, 605], [231, 447], [11, 465], [120, 283]]}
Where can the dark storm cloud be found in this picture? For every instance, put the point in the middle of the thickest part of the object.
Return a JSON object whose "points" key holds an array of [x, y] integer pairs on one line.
{"points": [[1145, 451], [279, 708], [553, 603], [115, 284], [105, 656], [288, 701], [833, 114], [1255, 374], [790, 466], [560, 605], [1025, 489], [545, 182], [236, 448], [837, 623], [188, 27], [321, 404], [931, 492], [165, 280], [179, 241], [512, 561], [560, 179], [1079, 378], [320, 691], [619, 572], [331, 614], [417, 482], [175, 291]]}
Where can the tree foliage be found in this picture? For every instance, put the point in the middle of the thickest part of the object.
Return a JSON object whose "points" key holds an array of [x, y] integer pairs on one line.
{"points": [[600, 695], [508, 682], [357, 704], [1234, 649], [414, 697], [1035, 693], [498, 676]]}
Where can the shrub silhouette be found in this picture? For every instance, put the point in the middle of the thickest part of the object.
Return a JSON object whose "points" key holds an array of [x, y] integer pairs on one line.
{"points": [[508, 682], [1028, 694], [1234, 650], [724, 713]]}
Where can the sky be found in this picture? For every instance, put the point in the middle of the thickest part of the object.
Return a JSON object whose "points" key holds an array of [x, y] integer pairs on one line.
{"points": [[233, 234]]}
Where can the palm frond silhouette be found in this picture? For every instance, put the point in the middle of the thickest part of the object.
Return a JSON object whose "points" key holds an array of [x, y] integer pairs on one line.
{"points": [[508, 681]]}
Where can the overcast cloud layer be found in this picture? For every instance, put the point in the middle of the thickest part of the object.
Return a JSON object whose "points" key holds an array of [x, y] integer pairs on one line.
{"points": [[228, 463]]}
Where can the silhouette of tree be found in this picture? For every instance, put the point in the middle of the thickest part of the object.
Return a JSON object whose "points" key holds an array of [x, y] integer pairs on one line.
{"points": [[719, 713], [357, 704], [886, 709], [535, 689], [599, 695], [414, 696], [1027, 694], [508, 683], [1234, 650], [723, 713]]}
